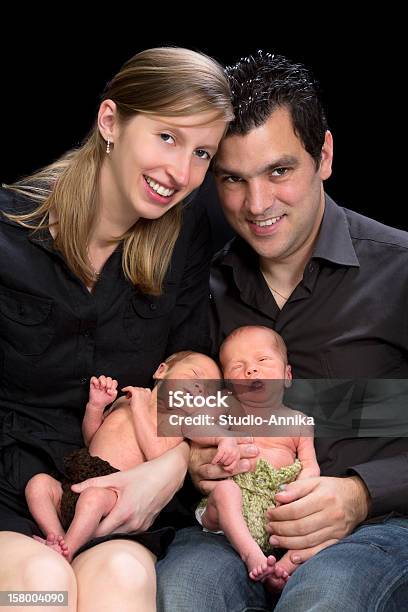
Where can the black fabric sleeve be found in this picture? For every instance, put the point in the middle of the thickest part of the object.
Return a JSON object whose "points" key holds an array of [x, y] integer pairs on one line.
{"points": [[387, 483]]}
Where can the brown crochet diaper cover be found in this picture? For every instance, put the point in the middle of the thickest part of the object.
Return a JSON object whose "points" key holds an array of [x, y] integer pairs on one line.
{"points": [[79, 466]]}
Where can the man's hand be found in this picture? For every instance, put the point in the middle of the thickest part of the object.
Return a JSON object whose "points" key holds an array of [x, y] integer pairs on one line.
{"points": [[205, 474], [315, 513]]}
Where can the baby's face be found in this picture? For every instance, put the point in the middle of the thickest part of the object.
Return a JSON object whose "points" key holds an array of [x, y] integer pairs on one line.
{"points": [[254, 355], [196, 374], [194, 366]]}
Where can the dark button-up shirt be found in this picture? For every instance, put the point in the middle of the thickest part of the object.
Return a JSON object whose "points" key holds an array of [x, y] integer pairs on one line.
{"points": [[55, 334], [347, 319]]}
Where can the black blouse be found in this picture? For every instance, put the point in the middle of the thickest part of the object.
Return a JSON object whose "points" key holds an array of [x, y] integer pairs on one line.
{"points": [[55, 335]]}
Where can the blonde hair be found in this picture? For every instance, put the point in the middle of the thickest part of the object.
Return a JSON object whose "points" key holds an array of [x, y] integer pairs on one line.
{"points": [[167, 81]]}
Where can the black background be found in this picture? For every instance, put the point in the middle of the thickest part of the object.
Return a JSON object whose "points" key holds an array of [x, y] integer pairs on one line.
{"points": [[53, 73]]}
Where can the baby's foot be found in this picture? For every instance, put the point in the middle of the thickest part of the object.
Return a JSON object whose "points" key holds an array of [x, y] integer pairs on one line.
{"points": [[64, 548], [56, 542], [277, 580], [262, 567]]}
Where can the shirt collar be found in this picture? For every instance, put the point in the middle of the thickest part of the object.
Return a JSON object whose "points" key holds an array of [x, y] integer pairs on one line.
{"points": [[334, 242]]}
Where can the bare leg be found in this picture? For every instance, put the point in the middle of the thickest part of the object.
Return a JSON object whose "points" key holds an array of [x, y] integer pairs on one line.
{"points": [[224, 511], [43, 494], [116, 575], [26, 565], [93, 504]]}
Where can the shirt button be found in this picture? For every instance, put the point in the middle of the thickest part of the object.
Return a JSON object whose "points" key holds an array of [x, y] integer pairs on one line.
{"points": [[153, 306], [311, 267], [83, 381]]}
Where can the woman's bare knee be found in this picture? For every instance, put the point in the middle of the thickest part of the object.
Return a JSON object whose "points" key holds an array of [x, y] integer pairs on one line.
{"points": [[129, 565], [116, 571], [39, 571], [33, 566]]}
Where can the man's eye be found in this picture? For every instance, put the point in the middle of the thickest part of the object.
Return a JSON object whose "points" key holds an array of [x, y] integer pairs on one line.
{"points": [[231, 179], [202, 154], [167, 138], [279, 171]]}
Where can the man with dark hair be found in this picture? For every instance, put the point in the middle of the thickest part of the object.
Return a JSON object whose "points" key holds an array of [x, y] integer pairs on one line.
{"points": [[334, 284]]}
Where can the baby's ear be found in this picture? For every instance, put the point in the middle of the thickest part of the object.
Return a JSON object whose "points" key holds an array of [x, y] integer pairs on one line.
{"points": [[161, 371], [288, 376]]}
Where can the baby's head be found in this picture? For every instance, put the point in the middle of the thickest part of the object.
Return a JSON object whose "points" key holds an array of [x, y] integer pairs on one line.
{"points": [[255, 353], [190, 366], [186, 365]]}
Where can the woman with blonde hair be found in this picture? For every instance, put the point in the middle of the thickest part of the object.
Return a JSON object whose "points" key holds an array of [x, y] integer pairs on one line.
{"points": [[104, 269]]}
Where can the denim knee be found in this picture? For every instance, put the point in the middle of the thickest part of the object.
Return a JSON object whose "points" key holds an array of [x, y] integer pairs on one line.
{"points": [[368, 570], [202, 572]]}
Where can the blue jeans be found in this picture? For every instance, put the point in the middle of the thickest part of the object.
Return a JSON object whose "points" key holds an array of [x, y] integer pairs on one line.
{"points": [[367, 571]]}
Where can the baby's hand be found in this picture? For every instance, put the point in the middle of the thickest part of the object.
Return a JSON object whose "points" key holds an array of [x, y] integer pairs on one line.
{"points": [[102, 391], [227, 454], [139, 397]]}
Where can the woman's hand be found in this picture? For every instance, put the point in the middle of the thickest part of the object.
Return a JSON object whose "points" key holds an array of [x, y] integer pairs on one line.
{"points": [[142, 491], [204, 474]]}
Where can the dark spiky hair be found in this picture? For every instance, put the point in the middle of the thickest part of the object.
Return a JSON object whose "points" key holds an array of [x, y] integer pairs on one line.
{"points": [[263, 82]]}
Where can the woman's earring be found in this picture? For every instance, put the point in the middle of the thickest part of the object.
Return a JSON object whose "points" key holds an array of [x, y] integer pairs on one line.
{"points": [[108, 142]]}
